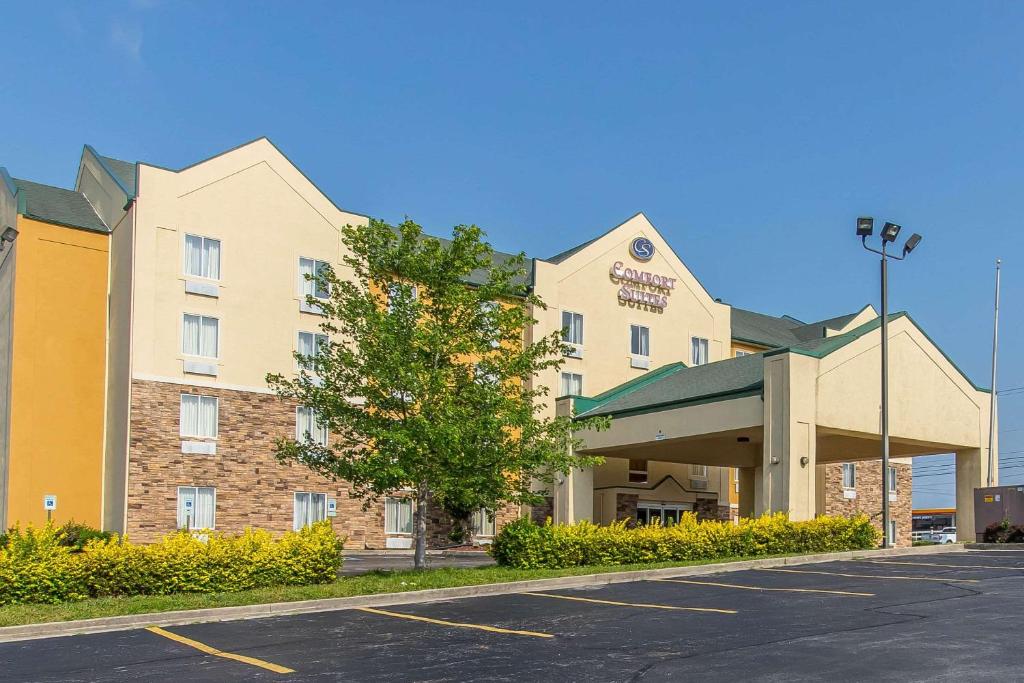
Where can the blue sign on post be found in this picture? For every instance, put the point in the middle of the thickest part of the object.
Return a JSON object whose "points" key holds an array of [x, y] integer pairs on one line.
{"points": [[642, 249], [49, 503]]}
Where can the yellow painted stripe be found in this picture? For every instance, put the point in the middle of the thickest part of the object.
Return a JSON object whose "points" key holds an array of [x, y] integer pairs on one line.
{"points": [[763, 588], [935, 564], [202, 647], [442, 622], [634, 604], [869, 576]]}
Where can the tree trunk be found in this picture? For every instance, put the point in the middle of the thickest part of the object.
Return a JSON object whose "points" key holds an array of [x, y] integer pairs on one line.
{"points": [[420, 558]]}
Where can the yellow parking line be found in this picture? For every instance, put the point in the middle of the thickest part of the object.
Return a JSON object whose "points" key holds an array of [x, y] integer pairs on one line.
{"points": [[868, 576], [762, 588], [955, 566], [202, 647], [442, 622], [634, 604]]}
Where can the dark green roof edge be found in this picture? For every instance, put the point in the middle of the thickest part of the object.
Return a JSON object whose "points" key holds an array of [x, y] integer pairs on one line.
{"points": [[752, 390], [130, 194], [8, 181], [651, 487], [839, 341], [755, 342], [586, 404]]}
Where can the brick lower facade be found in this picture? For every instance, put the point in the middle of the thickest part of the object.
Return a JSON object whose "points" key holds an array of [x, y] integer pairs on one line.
{"points": [[253, 489], [867, 496]]}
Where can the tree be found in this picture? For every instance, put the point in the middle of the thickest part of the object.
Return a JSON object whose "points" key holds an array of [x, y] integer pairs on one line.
{"points": [[428, 381]]}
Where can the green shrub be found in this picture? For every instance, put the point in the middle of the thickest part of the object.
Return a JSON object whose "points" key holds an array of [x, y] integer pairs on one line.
{"points": [[525, 545], [75, 535], [38, 566]]}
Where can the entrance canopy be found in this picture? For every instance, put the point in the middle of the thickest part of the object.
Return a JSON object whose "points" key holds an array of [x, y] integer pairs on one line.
{"points": [[782, 412]]}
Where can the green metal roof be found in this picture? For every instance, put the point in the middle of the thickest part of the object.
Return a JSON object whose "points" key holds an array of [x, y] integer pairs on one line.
{"points": [[124, 171], [59, 206]]}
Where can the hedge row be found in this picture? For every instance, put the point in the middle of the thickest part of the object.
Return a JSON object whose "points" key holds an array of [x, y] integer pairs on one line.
{"points": [[36, 568], [525, 545]]}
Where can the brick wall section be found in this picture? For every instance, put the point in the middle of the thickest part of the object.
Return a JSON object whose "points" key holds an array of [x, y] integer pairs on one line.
{"points": [[253, 488], [708, 508], [540, 514], [869, 496]]}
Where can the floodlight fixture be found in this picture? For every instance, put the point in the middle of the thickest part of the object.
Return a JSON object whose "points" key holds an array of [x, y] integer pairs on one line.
{"points": [[865, 226], [890, 232], [911, 244]]}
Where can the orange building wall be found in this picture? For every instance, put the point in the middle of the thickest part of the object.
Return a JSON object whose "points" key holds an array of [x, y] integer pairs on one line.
{"points": [[58, 373]]}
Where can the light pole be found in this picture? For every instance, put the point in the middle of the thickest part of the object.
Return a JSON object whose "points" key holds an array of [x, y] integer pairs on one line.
{"points": [[890, 231]]}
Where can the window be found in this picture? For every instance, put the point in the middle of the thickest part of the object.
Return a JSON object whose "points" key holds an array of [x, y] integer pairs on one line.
{"points": [[202, 257], [699, 471], [572, 328], [196, 507], [639, 340], [665, 514], [309, 508], [483, 522], [310, 344], [638, 471], [892, 532], [892, 479], [743, 353], [572, 384], [699, 351], [199, 416], [398, 516], [736, 481], [849, 475], [199, 335], [306, 427], [311, 268], [490, 324]]}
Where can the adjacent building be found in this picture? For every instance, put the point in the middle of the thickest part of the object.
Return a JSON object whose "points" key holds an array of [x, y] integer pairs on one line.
{"points": [[141, 311]]}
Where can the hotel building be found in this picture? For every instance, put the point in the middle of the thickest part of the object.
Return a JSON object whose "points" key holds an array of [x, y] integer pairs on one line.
{"points": [[141, 310]]}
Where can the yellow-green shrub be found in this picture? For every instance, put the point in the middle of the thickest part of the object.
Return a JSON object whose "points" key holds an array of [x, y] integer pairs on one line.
{"points": [[34, 567], [525, 545]]}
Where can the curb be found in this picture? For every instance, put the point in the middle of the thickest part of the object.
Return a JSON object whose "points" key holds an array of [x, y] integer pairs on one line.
{"points": [[127, 622], [995, 546]]}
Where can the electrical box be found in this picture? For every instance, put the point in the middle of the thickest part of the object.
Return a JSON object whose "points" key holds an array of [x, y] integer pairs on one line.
{"points": [[993, 504]]}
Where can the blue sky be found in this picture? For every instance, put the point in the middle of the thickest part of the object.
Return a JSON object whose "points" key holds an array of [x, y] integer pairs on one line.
{"points": [[752, 134]]}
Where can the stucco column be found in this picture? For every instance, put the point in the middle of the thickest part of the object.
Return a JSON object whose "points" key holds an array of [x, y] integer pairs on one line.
{"points": [[971, 473], [789, 459], [574, 493], [747, 490]]}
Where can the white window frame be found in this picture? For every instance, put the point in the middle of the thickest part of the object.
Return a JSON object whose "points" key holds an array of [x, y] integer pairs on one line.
{"points": [[892, 480], [484, 523], [319, 338], [195, 495], [312, 433], [570, 376], [699, 471], [200, 398], [389, 520], [851, 469], [643, 340], [892, 531], [202, 247], [296, 526], [570, 330], [202, 318], [317, 263], [740, 354], [661, 509], [700, 346]]}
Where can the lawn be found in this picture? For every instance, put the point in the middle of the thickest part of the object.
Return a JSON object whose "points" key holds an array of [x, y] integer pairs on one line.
{"points": [[366, 584]]}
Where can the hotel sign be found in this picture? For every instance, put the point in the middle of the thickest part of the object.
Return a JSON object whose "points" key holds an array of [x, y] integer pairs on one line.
{"points": [[641, 286]]}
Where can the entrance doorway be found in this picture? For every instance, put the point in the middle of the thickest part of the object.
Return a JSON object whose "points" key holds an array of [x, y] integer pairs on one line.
{"points": [[667, 514]]}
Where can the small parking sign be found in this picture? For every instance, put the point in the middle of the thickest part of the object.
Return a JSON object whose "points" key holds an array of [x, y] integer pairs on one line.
{"points": [[332, 507], [50, 502]]}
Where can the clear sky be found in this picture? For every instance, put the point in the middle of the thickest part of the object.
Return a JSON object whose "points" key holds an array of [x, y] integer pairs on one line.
{"points": [[752, 134]]}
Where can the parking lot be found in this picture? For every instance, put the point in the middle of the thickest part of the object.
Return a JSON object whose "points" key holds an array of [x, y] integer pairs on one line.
{"points": [[948, 616]]}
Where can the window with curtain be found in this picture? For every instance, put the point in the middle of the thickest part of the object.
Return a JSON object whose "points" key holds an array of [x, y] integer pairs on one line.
{"points": [[306, 427], [572, 384], [398, 516], [849, 475], [199, 415], [199, 335], [310, 344], [699, 351], [572, 327], [639, 340], [483, 522], [699, 470], [310, 268], [196, 507], [309, 509], [202, 257]]}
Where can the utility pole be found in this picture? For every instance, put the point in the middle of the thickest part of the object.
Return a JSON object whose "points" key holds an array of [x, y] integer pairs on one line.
{"points": [[993, 456]]}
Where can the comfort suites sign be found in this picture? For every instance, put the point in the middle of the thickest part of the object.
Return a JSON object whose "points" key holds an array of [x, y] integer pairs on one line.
{"points": [[641, 286]]}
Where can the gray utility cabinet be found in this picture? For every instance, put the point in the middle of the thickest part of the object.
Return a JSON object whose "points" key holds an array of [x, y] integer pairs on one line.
{"points": [[993, 504]]}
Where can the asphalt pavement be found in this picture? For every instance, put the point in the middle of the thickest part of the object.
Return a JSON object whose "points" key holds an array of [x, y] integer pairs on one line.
{"points": [[940, 617]]}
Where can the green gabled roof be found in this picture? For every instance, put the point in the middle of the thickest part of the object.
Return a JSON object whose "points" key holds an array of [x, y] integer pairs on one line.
{"points": [[677, 384], [774, 332], [58, 206]]}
